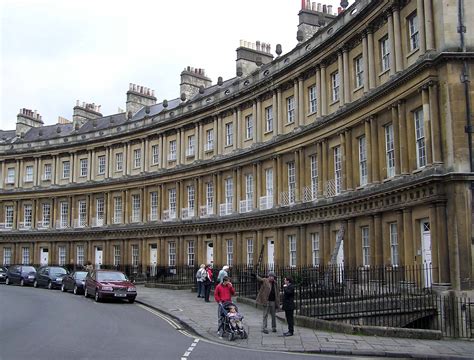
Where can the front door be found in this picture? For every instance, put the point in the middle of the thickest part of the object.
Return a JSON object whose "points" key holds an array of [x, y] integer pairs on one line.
{"points": [[209, 252], [44, 256], [153, 259], [98, 257], [271, 253], [426, 252], [340, 262]]}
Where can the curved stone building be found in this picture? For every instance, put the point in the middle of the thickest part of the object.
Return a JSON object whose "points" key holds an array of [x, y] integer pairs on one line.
{"points": [[354, 147]]}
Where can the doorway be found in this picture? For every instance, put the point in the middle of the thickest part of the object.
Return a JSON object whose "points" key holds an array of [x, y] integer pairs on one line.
{"points": [[271, 253], [98, 257], [44, 256], [209, 252], [153, 259], [426, 256]]}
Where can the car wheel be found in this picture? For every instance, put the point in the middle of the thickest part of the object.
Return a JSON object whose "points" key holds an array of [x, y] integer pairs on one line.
{"points": [[22, 282], [35, 284], [86, 294], [50, 285], [63, 288], [75, 291], [7, 281], [97, 295], [131, 301]]}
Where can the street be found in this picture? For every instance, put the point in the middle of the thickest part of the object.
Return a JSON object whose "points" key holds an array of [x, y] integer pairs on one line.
{"points": [[47, 324]]}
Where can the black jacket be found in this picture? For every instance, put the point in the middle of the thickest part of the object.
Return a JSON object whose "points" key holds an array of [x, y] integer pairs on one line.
{"points": [[289, 297]]}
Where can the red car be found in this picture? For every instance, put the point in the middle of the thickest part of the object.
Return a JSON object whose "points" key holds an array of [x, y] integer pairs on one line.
{"points": [[109, 284]]}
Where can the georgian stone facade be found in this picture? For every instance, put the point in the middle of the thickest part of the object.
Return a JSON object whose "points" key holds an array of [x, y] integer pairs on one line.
{"points": [[358, 133]]}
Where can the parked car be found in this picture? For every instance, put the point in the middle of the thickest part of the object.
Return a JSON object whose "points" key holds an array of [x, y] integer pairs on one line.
{"points": [[109, 284], [3, 274], [50, 277], [75, 282], [20, 274]]}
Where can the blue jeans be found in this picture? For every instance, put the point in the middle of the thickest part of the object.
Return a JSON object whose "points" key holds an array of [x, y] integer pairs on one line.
{"points": [[200, 289]]}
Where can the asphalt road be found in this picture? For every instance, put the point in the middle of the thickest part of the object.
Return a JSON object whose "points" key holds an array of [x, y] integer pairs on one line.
{"points": [[47, 324]]}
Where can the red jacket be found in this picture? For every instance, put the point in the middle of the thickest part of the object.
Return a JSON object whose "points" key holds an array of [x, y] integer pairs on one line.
{"points": [[224, 293]]}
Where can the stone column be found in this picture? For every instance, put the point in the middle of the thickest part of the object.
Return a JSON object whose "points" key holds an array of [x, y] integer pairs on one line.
{"points": [[421, 25], [349, 173], [301, 249], [340, 69], [258, 185], [391, 42], [217, 189], [296, 102], [235, 205], [298, 187], [434, 236], [318, 90], [145, 155], [408, 237], [216, 135], [443, 247], [319, 154], [428, 7], [238, 186], [235, 133], [36, 172], [396, 137], [275, 112], [179, 153], [342, 141], [427, 124], [368, 145], [365, 56], [161, 202], [197, 196], [144, 203], [179, 198], [279, 120], [199, 142], [378, 241], [325, 244], [403, 146], [279, 178], [324, 168], [372, 235], [126, 206], [18, 179], [371, 58], [258, 121], [375, 149], [255, 174], [437, 154], [324, 93], [300, 99], [350, 244], [397, 33], [347, 87], [302, 172], [162, 150]]}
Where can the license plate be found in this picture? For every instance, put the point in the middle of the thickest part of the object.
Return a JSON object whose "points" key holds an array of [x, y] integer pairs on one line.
{"points": [[120, 295]]}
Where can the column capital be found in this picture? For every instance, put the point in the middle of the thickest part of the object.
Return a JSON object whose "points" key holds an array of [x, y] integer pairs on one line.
{"points": [[433, 83], [401, 102]]}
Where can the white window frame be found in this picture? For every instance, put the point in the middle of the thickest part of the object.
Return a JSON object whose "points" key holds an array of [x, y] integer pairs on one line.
{"points": [[81, 213], [155, 154], [191, 254], [365, 246], [229, 190], [210, 140], [363, 171], [80, 254], [117, 255], [335, 84], [29, 173], [250, 251], [118, 209], [315, 247], [172, 151], [269, 182], [249, 187], [172, 200], [48, 171], [135, 255], [390, 150], [100, 210], [359, 71], [290, 107], [191, 197], [418, 118], [9, 214], [394, 254], [25, 256], [137, 158], [154, 205], [229, 134], [312, 99], [7, 256], [63, 214], [337, 169], [171, 253], [66, 169], [292, 250], [84, 167], [269, 118], [191, 145], [11, 176], [249, 127], [27, 215], [210, 195], [230, 251], [101, 165], [119, 161], [136, 208], [413, 32], [46, 214], [314, 176], [291, 182], [61, 255], [385, 54]]}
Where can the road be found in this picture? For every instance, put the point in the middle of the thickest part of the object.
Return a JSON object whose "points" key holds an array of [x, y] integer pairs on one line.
{"points": [[47, 324]]}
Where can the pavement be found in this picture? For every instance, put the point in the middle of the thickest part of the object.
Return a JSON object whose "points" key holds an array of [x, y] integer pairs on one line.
{"points": [[201, 317]]}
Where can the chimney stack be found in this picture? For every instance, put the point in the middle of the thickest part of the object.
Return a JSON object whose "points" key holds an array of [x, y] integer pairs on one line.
{"points": [[138, 97], [312, 17], [83, 112], [252, 55], [27, 119], [191, 80]]}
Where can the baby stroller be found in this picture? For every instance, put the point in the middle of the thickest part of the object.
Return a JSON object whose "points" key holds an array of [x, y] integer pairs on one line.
{"points": [[226, 327]]}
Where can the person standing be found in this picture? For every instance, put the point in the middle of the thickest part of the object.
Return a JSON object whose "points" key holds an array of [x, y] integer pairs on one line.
{"points": [[200, 275], [289, 304], [222, 273], [269, 297], [223, 293], [207, 282]]}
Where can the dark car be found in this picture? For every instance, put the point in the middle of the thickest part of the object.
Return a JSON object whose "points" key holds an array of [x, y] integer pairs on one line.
{"points": [[50, 277], [109, 284], [75, 282], [3, 274], [20, 274]]}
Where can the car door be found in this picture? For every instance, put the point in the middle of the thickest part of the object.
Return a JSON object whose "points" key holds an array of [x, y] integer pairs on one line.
{"points": [[90, 282], [68, 281], [15, 274], [44, 277]]}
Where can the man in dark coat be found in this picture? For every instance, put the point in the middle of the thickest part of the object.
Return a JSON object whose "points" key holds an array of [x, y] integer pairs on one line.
{"points": [[269, 297], [289, 304]]}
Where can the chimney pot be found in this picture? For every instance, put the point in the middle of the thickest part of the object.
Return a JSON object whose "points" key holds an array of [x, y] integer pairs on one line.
{"points": [[330, 9], [319, 7], [325, 9]]}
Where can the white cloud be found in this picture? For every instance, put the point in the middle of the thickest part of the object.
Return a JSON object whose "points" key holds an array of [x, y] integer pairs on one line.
{"points": [[54, 52]]}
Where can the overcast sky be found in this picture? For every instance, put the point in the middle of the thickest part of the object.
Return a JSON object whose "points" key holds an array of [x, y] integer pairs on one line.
{"points": [[54, 52]]}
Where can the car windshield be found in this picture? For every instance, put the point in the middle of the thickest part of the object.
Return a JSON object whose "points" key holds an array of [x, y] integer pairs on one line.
{"points": [[28, 269], [81, 275], [58, 271], [110, 276], [2, 270]]}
